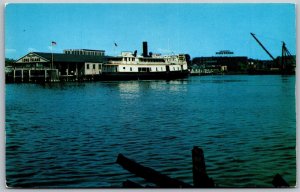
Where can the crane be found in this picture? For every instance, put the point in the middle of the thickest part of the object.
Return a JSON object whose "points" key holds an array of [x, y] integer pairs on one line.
{"points": [[287, 63], [253, 35], [287, 60]]}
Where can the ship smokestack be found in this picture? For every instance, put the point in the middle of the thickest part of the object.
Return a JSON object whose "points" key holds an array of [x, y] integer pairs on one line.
{"points": [[145, 49], [135, 53]]}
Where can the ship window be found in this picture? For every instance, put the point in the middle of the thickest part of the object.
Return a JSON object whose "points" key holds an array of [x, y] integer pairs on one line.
{"points": [[99, 66], [130, 68], [94, 66], [88, 66], [156, 68], [144, 69], [123, 67]]}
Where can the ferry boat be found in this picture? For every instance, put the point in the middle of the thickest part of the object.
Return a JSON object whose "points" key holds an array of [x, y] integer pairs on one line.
{"points": [[130, 66]]}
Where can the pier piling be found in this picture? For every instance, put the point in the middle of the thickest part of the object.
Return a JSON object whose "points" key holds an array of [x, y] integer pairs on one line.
{"points": [[200, 177]]}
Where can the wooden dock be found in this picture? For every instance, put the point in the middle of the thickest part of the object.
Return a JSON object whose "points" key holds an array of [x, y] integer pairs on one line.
{"points": [[33, 75]]}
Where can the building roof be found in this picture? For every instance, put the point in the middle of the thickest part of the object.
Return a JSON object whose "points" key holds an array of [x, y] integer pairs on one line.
{"points": [[61, 57], [92, 50], [96, 50]]}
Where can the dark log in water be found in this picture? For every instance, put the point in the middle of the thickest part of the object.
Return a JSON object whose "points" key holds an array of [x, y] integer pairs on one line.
{"points": [[131, 184], [149, 174]]}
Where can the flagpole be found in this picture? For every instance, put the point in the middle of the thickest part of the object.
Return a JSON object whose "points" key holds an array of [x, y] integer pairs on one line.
{"points": [[51, 55], [52, 43], [52, 67], [114, 50]]}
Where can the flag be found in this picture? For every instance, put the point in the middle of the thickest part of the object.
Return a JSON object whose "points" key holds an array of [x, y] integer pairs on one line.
{"points": [[116, 45], [53, 43]]}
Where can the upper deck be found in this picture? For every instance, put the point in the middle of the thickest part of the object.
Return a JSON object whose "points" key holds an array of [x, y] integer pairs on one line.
{"points": [[131, 58]]}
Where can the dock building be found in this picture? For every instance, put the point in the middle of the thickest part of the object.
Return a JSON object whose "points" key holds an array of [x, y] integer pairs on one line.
{"points": [[232, 63], [219, 64], [71, 65]]}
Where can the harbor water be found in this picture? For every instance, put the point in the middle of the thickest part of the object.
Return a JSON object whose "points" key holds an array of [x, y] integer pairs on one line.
{"points": [[69, 135]]}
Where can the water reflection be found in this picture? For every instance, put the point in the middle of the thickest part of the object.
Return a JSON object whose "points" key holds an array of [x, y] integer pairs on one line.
{"points": [[129, 89], [135, 89], [62, 85]]}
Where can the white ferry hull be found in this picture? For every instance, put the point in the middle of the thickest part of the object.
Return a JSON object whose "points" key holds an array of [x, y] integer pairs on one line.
{"points": [[143, 75]]}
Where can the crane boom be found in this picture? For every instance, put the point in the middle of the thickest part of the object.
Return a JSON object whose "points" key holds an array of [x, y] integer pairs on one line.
{"points": [[262, 46]]}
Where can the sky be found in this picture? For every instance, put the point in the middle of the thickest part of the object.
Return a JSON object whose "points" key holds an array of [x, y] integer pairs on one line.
{"points": [[190, 28]]}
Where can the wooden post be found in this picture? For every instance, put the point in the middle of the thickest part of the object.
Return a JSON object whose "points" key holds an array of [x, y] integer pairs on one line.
{"points": [[68, 73], [200, 176], [14, 75], [22, 74], [45, 75], [57, 77], [76, 72]]}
